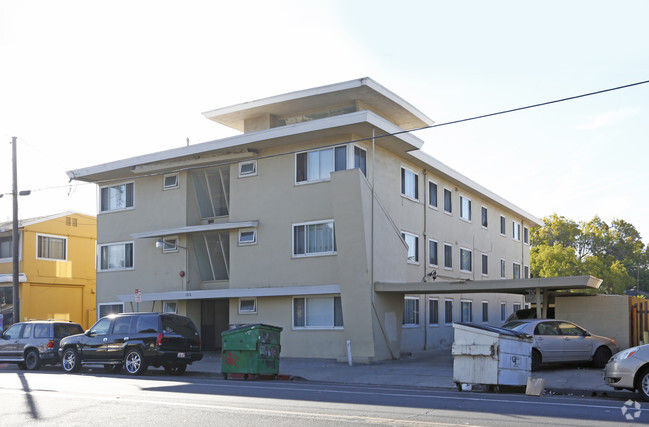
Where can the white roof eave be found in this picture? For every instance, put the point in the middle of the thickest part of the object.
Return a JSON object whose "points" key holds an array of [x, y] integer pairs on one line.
{"points": [[195, 229]]}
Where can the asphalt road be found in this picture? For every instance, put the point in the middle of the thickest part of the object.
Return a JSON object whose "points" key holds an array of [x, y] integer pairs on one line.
{"points": [[51, 397]]}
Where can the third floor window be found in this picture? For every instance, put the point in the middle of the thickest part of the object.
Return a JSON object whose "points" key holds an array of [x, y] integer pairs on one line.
{"points": [[212, 187]]}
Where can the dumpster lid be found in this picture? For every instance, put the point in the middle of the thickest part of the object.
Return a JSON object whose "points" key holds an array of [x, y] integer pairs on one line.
{"points": [[255, 326], [495, 329]]}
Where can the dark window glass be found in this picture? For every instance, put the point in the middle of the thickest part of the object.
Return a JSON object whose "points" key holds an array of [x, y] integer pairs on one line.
{"points": [[433, 311], [300, 170], [178, 325], [147, 324], [484, 217], [341, 158], [447, 201], [360, 159], [432, 194], [432, 252]]}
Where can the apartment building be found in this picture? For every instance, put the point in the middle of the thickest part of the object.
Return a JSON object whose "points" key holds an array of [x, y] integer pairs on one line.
{"points": [[296, 220], [56, 255]]}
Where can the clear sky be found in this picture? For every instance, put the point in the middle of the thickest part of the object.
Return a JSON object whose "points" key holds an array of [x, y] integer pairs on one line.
{"points": [[88, 82]]}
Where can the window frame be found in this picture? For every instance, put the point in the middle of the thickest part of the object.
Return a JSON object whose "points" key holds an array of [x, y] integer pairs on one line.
{"points": [[448, 256], [462, 305], [247, 230], [312, 254], [168, 304], [417, 312], [436, 253], [503, 268], [170, 187], [247, 174], [503, 311], [430, 204], [51, 236], [485, 264], [516, 231], [115, 303], [126, 208], [448, 313], [464, 216], [448, 211], [101, 245], [503, 225], [484, 217], [526, 235], [526, 272], [306, 327], [403, 179], [485, 311], [254, 309], [514, 269], [167, 245], [462, 269], [431, 311], [352, 159], [405, 234], [307, 181]]}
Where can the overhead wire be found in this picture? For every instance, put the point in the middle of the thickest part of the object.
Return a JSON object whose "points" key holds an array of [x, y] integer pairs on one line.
{"points": [[405, 131]]}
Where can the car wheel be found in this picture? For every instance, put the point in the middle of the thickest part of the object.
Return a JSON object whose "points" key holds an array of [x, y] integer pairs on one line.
{"points": [[32, 360], [536, 360], [134, 362], [601, 356], [112, 368], [642, 384], [70, 361]]}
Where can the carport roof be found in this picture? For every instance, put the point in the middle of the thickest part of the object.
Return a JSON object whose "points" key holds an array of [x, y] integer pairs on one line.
{"points": [[517, 286]]}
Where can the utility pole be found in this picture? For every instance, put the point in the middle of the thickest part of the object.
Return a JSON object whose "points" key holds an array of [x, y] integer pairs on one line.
{"points": [[14, 234]]}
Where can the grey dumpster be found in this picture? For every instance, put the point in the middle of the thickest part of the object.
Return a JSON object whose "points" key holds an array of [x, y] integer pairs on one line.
{"points": [[491, 356]]}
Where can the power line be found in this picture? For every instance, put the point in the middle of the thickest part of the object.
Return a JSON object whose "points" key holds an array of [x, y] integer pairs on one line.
{"points": [[483, 116]]}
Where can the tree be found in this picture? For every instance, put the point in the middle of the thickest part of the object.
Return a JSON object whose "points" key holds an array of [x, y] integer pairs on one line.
{"points": [[614, 253]]}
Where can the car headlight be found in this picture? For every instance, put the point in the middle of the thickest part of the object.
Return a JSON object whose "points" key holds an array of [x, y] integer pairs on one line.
{"points": [[626, 353]]}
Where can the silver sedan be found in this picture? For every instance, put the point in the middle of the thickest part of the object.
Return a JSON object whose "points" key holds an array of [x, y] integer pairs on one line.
{"points": [[629, 369], [563, 341]]}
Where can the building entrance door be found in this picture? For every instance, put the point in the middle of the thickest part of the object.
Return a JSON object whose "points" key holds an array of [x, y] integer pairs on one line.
{"points": [[214, 320]]}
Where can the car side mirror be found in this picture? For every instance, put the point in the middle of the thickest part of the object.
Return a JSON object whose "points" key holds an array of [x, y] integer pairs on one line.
{"points": [[88, 333]]}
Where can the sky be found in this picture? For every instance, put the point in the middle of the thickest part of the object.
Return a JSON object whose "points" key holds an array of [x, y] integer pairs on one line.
{"points": [[88, 82]]}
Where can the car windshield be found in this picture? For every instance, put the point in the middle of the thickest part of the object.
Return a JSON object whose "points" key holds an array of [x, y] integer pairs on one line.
{"points": [[178, 325], [515, 326]]}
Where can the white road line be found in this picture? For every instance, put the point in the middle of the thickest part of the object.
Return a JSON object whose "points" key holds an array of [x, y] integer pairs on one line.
{"points": [[358, 418]]}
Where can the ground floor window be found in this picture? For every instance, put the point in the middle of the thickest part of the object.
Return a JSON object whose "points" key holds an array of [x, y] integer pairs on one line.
{"points": [[467, 311], [247, 305], [110, 308], [411, 311], [516, 306], [170, 307], [317, 312], [503, 311], [433, 311], [448, 311], [485, 311]]}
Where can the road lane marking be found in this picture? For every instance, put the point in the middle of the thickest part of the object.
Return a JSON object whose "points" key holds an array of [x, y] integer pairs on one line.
{"points": [[303, 414]]}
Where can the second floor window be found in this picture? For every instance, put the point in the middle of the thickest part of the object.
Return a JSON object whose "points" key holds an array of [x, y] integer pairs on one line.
{"points": [[116, 197], [315, 238], [448, 206], [317, 165], [448, 256], [6, 248], [409, 184], [116, 256], [465, 260], [432, 194], [51, 247]]}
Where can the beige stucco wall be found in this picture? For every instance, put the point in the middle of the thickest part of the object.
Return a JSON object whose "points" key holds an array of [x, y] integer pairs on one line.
{"points": [[605, 315]]}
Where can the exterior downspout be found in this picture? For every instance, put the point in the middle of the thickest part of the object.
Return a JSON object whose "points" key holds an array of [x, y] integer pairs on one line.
{"points": [[425, 262]]}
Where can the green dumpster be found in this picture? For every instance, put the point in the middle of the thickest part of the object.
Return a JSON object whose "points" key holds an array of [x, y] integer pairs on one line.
{"points": [[251, 350]]}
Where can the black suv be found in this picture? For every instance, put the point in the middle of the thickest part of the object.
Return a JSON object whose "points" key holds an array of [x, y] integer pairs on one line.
{"points": [[35, 343], [135, 341]]}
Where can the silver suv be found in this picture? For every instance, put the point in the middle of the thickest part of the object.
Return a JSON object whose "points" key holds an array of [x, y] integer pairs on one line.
{"points": [[35, 343]]}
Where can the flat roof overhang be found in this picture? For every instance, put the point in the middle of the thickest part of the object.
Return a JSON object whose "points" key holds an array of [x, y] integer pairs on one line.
{"points": [[518, 286], [235, 293], [195, 229], [337, 129], [365, 90]]}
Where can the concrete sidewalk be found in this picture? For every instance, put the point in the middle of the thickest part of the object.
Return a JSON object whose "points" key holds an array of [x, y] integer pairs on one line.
{"points": [[430, 369]]}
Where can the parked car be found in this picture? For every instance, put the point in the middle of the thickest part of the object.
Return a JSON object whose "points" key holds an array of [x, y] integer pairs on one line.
{"points": [[528, 313], [135, 341], [562, 341], [35, 343], [629, 370]]}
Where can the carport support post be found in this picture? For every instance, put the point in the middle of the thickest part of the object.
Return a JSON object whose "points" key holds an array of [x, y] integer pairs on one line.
{"points": [[538, 304]]}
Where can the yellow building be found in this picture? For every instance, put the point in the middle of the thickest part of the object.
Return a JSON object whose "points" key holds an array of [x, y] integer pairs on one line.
{"points": [[57, 268]]}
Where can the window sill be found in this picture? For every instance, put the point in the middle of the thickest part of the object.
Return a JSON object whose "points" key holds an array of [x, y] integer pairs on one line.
{"points": [[465, 220], [320, 254], [110, 270], [318, 328], [409, 326], [448, 213], [116, 210]]}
